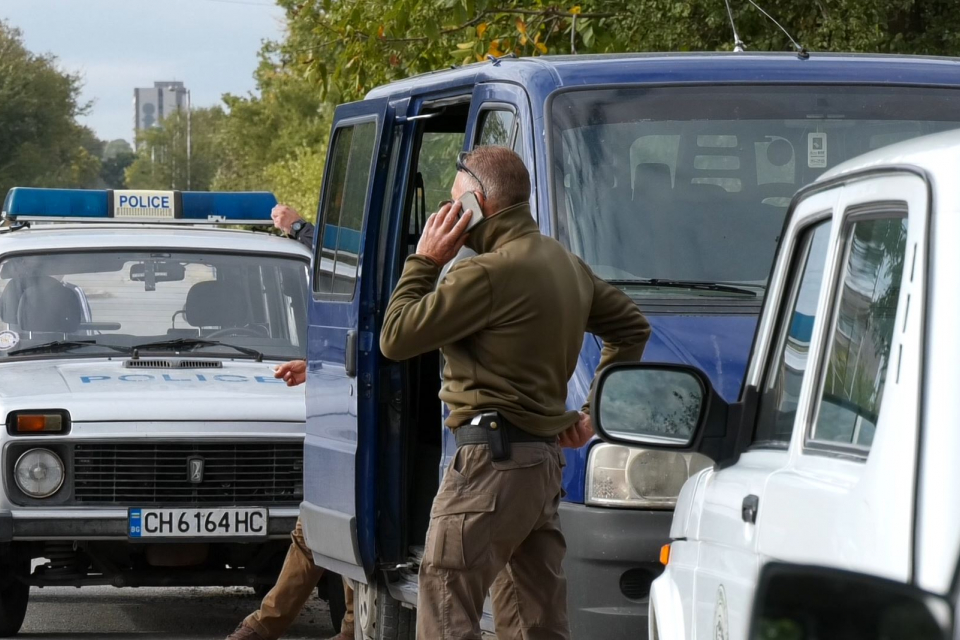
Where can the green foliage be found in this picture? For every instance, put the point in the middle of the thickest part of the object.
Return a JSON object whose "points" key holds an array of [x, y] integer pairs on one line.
{"points": [[41, 143], [161, 161], [116, 147], [113, 169]]}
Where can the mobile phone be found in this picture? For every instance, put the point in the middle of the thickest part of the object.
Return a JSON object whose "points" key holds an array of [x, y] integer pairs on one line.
{"points": [[469, 201]]}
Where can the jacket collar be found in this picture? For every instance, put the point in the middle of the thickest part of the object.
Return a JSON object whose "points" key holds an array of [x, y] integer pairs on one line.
{"points": [[502, 227]]}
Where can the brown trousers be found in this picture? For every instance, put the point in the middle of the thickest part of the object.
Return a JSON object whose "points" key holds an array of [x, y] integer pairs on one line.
{"points": [[297, 580], [496, 525]]}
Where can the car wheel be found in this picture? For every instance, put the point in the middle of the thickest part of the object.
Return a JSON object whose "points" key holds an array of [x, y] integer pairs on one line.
{"points": [[14, 595], [380, 617]]}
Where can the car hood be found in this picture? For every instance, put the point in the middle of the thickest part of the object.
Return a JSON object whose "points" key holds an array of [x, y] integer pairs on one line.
{"points": [[718, 345], [97, 390]]}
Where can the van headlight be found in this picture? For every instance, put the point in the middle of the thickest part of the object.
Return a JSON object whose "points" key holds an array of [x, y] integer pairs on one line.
{"points": [[39, 473], [619, 476]]}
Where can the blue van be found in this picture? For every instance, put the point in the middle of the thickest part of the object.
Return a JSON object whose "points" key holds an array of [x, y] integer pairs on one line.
{"points": [[670, 175]]}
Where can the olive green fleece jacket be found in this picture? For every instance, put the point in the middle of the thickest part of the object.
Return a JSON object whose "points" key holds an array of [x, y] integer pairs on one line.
{"points": [[510, 322]]}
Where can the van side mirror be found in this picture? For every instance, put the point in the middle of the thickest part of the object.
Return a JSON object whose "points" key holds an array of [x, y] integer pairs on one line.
{"points": [[797, 602], [650, 404]]}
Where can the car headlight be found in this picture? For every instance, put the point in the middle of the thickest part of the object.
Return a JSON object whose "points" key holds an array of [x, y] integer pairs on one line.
{"points": [[39, 473], [619, 476]]}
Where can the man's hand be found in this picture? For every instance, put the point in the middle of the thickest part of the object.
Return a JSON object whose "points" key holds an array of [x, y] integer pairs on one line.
{"points": [[579, 434], [293, 372], [443, 235], [283, 217]]}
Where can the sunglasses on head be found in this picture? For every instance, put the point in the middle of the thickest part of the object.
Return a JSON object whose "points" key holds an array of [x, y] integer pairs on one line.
{"points": [[461, 166]]}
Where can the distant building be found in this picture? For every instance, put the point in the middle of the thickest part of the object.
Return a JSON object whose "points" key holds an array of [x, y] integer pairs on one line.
{"points": [[151, 105]]}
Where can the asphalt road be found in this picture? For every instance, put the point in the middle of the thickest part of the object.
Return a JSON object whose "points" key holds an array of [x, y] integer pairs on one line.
{"points": [[107, 613]]}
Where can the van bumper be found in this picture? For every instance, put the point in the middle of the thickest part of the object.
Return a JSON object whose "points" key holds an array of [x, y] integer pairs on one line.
{"points": [[612, 558]]}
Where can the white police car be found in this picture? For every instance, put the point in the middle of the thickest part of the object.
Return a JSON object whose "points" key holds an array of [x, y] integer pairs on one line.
{"points": [[841, 452], [146, 440]]}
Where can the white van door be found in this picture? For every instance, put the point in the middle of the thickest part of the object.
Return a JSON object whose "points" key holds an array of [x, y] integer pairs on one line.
{"points": [[728, 562], [845, 498]]}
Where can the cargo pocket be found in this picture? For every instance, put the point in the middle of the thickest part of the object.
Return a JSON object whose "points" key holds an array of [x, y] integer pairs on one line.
{"points": [[523, 456], [460, 528]]}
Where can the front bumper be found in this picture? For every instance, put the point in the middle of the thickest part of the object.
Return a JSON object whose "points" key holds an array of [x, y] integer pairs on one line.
{"points": [[612, 557], [107, 524]]}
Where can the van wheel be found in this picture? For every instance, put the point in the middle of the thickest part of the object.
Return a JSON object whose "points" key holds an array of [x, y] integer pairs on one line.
{"points": [[13, 597], [380, 617], [330, 588]]}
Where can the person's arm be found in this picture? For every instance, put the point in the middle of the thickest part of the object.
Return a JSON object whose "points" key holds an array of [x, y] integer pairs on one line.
{"points": [[305, 237], [420, 318], [616, 320]]}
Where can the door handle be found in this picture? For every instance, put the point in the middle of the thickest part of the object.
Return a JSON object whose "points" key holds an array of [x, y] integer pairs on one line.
{"points": [[350, 358], [748, 511]]}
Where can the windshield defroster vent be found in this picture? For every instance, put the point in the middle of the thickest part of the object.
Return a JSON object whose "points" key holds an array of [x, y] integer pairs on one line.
{"points": [[172, 363]]}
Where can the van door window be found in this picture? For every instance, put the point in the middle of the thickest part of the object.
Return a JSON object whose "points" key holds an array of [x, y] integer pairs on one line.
{"points": [[343, 209], [497, 127], [859, 348], [778, 402]]}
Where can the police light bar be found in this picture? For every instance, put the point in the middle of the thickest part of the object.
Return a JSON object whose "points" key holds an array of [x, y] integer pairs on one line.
{"points": [[189, 207]]}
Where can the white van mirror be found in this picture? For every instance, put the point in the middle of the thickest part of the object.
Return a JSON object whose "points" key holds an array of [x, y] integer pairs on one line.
{"points": [[650, 404], [801, 603]]}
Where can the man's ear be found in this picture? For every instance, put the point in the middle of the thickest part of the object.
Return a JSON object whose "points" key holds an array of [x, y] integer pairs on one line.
{"points": [[482, 199]]}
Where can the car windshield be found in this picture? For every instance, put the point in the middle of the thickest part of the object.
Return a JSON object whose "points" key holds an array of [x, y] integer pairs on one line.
{"points": [[691, 184], [212, 304]]}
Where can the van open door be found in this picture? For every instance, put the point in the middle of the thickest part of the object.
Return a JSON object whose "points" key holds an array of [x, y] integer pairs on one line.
{"points": [[342, 350]]}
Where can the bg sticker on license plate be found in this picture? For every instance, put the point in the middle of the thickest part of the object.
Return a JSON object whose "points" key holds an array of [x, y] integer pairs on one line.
{"points": [[197, 523]]}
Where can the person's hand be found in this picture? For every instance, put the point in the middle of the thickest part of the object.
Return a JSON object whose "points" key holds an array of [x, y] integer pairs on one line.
{"points": [[293, 372], [283, 217], [443, 235], [579, 434]]}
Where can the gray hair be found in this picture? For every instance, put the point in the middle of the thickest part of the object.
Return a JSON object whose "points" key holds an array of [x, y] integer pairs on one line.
{"points": [[503, 173]]}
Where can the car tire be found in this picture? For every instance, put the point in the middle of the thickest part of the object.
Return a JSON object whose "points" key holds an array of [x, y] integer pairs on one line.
{"points": [[380, 617], [14, 596], [330, 588]]}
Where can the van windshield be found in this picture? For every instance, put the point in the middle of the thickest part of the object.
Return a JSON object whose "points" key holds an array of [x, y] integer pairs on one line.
{"points": [[691, 184], [82, 304]]}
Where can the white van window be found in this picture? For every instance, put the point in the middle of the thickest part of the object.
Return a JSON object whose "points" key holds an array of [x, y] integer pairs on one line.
{"points": [[859, 349], [778, 402]]}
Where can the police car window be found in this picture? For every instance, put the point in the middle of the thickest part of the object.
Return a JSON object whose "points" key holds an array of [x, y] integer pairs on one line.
{"points": [[859, 348], [497, 127], [778, 400], [344, 209], [132, 297]]}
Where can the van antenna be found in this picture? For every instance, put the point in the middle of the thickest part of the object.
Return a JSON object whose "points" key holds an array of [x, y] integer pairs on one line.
{"points": [[738, 45], [802, 52]]}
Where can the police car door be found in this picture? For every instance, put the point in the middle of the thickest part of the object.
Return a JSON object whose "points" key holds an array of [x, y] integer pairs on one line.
{"points": [[342, 347]]}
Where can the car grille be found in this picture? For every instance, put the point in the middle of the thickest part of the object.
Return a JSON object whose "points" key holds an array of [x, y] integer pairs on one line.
{"points": [[157, 474]]}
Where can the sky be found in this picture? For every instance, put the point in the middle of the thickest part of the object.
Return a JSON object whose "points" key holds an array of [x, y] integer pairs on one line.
{"points": [[118, 45]]}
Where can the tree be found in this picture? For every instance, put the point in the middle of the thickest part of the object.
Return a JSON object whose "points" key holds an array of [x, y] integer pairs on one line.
{"points": [[161, 161], [113, 169], [116, 147], [41, 143]]}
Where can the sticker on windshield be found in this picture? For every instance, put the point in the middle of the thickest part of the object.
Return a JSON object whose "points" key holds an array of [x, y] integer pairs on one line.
{"points": [[8, 340], [817, 150]]}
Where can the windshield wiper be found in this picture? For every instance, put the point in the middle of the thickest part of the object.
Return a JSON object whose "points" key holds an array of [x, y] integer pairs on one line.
{"points": [[189, 344], [66, 345], [685, 284]]}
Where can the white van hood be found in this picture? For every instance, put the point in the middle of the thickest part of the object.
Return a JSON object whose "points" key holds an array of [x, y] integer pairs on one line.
{"points": [[104, 390]]}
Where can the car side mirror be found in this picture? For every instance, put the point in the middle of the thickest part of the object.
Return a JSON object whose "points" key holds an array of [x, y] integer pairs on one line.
{"points": [[795, 602], [661, 406]]}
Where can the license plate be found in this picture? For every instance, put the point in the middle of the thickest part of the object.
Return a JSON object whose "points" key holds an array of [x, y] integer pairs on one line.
{"points": [[197, 523]]}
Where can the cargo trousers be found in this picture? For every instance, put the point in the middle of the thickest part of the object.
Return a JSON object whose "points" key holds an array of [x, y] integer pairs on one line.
{"points": [[296, 582], [495, 526]]}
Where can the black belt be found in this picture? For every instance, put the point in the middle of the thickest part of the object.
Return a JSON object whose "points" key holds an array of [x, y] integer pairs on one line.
{"points": [[478, 434]]}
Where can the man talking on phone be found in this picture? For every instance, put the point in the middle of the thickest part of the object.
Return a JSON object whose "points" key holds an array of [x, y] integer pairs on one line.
{"points": [[510, 322]]}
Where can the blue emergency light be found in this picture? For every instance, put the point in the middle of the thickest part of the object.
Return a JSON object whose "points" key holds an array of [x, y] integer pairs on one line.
{"points": [[189, 207]]}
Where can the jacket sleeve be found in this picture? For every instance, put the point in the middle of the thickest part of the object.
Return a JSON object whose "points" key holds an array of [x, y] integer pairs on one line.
{"points": [[615, 319], [305, 237], [420, 318]]}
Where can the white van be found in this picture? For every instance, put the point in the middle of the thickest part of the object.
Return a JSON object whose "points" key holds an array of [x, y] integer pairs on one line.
{"points": [[840, 452]]}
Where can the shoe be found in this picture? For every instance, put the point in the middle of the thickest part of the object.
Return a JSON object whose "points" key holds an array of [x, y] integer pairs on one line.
{"points": [[243, 632]]}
